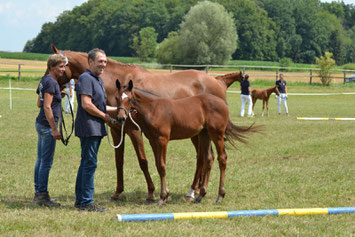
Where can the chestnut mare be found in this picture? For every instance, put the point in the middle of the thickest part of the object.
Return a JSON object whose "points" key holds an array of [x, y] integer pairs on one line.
{"points": [[163, 119], [263, 95], [171, 85]]}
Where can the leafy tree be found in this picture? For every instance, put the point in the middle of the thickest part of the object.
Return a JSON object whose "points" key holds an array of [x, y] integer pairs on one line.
{"points": [[256, 31], [325, 64], [168, 50], [288, 42], [350, 45], [145, 43], [207, 35], [349, 15]]}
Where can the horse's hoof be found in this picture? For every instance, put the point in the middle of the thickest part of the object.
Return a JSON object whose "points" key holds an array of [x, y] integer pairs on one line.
{"points": [[114, 198], [219, 200], [189, 198], [161, 203], [198, 199], [149, 201]]}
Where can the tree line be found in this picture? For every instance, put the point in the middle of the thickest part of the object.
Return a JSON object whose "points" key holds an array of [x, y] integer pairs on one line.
{"points": [[268, 30]]}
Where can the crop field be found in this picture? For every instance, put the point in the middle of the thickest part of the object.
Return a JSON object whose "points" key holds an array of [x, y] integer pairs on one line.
{"points": [[293, 164]]}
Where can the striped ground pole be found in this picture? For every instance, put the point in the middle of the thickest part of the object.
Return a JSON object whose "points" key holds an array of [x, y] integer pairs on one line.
{"points": [[231, 214], [305, 118]]}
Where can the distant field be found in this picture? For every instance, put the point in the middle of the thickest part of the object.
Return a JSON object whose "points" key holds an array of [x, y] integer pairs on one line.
{"points": [[295, 164]]}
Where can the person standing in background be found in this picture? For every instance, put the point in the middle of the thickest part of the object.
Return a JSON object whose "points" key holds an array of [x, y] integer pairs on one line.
{"points": [[49, 102], [245, 96], [69, 99], [282, 86]]}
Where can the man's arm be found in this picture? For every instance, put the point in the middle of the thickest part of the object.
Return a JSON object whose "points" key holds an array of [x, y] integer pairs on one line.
{"points": [[89, 107]]}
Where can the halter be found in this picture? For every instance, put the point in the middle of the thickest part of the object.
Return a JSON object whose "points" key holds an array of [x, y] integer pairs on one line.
{"points": [[66, 63], [128, 114]]}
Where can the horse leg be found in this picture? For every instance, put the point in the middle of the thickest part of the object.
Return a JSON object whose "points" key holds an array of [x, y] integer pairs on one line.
{"points": [[138, 144], [204, 147], [160, 162], [119, 160], [262, 114], [197, 181], [222, 161], [194, 186], [267, 107], [254, 101]]}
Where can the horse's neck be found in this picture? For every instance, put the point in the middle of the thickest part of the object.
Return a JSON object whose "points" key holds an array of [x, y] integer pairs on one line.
{"points": [[229, 79], [270, 90], [142, 101]]}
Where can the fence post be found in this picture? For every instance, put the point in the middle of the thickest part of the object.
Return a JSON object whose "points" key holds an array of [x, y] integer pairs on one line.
{"points": [[19, 71], [344, 76], [171, 68], [243, 70], [206, 69], [277, 74], [310, 77]]}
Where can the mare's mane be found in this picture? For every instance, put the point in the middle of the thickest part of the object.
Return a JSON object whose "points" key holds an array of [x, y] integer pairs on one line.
{"points": [[110, 60], [145, 92], [228, 75]]}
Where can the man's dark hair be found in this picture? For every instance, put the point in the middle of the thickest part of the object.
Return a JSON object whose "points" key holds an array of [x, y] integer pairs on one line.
{"points": [[92, 53]]}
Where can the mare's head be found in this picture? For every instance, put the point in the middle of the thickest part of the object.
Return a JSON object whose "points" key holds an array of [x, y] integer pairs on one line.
{"points": [[228, 79], [123, 97], [77, 63]]}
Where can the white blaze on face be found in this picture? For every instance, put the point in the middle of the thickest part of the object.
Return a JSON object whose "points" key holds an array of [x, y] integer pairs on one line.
{"points": [[66, 61], [124, 96]]}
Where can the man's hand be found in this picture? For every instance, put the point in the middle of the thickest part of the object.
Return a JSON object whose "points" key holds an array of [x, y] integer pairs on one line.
{"points": [[108, 118]]}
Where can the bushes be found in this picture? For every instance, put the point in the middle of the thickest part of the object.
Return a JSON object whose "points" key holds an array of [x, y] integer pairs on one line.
{"points": [[325, 64]]}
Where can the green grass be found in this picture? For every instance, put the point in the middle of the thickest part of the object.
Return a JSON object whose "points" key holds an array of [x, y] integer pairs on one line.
{"points": [[295, 164]]}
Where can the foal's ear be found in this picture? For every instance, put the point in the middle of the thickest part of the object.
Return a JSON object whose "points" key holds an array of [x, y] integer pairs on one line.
{"points": [[130, 85], [118, 84]]}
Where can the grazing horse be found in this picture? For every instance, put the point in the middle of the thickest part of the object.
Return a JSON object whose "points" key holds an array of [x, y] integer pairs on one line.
{"points": [[162, 119], [263, 95], [171, 85]]}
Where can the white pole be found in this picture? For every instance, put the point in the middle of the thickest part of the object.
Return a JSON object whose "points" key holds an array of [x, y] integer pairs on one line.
{"points": [[10, 94]]}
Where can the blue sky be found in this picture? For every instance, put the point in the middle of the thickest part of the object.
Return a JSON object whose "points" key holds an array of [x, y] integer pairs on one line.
{"points": [[21, 20]]}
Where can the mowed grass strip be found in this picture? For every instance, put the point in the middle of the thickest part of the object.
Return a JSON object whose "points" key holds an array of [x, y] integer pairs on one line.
{"points": [[294, 164]]}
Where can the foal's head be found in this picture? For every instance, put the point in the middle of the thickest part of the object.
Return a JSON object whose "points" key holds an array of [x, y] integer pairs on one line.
{"points": [[276, 90], [123, 97]]}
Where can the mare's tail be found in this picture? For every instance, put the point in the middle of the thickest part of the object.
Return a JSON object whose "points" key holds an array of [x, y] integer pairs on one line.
{"points": [[238, 133]]}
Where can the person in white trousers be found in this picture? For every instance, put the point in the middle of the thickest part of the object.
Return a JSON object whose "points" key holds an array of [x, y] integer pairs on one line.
{"points": [[70, 92], [245, 96], [282, 86]]}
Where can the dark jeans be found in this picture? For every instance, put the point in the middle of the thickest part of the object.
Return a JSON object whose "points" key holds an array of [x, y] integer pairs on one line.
{"points": [[84, 187], [45, 153]]}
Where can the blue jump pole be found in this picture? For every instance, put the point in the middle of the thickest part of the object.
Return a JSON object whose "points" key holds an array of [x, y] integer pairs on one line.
{"points": [[231, 214]]}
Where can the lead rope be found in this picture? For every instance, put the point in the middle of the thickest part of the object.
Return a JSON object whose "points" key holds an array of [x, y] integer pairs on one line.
{"points": [[134, 122], [108, 136], [122, 127]]}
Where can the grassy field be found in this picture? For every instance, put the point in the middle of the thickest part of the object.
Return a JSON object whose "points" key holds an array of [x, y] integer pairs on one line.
{"points": [[295, 164]]}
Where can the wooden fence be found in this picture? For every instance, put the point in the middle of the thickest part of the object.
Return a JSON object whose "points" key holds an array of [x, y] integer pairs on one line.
{"points": [[255, 72]]}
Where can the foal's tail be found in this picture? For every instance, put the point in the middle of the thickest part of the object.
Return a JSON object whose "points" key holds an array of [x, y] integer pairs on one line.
{"points": [[238, 133]]}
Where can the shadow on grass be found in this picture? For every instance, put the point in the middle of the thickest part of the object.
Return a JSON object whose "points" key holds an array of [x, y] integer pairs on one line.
{"points": [[67, 201]]}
